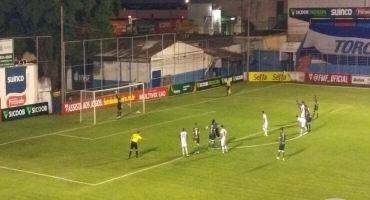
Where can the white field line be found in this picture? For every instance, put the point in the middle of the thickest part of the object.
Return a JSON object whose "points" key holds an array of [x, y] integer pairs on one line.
{"points": [[274, 129], [157, 124], [72, 136], [45, 175], [336, 86], [138, 171], [287, 100], [201, 102], [183, 106], [44, 135], [266, 144], [271, 143]]}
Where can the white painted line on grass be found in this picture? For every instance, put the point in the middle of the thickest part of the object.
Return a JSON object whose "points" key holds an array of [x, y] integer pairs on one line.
{"points": [[68, 130], [265, 144], [271, 143], [274, 129], [45, 175], [157, 124], [40, 136], [72, 136], [138, 171]]}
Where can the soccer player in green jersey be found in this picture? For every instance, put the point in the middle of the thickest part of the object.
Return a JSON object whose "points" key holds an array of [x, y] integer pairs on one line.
{"points": [[316, 109], [212, 135], [196, 138], [282, 139]]}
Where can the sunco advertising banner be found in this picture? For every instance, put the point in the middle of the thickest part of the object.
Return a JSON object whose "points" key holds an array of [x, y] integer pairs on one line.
{"points": [[181, 88], [21, 112], [269, 76], [349, 12]]}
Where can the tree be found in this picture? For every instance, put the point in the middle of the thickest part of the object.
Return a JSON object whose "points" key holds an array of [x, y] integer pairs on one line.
{"points": [[83, 19]]}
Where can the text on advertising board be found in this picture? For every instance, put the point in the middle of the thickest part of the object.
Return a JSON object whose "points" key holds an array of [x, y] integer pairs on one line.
{"points": [[269, 76], [15, 79], [328, 78]]}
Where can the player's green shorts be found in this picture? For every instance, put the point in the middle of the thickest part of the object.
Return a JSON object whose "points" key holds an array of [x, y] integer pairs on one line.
{"points": [[281, 147], [212, 136]]}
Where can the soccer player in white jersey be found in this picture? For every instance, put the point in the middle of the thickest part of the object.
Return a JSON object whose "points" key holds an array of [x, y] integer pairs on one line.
{"points": [[302, 123], [223, 134], [302, 107], [184, 145], [264, 122]]}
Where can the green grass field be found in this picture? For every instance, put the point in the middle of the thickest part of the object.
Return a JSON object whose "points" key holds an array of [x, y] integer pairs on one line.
{"points": [[55, 157]]}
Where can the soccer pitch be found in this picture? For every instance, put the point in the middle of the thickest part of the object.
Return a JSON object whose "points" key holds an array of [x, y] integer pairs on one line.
{"points": [[55, 157]]}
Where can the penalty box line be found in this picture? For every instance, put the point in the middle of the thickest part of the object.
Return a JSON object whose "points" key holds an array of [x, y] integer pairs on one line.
{"points": [[87, 183], [85, 138]]}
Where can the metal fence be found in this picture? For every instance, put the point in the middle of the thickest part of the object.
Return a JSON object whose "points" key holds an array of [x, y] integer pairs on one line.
{"points": [[155, 60], [337, 64]]}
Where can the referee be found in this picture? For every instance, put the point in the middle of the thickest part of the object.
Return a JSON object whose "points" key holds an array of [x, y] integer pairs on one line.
{"points": [[133, 143], [228, 86]]}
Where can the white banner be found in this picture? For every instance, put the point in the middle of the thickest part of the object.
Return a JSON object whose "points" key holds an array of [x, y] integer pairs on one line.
{"points": [[361, 80], [6, 46], [336, 45]]}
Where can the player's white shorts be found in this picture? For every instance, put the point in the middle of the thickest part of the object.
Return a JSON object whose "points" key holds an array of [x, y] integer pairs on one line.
{"points": [[303, 123], [264, 126], [223, 142], [184, 144]]}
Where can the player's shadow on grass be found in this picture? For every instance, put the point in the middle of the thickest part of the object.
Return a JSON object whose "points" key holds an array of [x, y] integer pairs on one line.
{"points": [[259, 167], [142, 153], [235, 146], [297, 152], [197, 157]]}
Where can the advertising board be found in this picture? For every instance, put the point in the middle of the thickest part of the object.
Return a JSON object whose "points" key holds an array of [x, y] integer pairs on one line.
{"points": [[181, 88], [361, 80], [21, 112], [337, 79], [217, 82], [6, 53], [269, 76], [111, 100]]}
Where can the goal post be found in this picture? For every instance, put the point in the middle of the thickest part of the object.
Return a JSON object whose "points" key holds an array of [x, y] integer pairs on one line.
{"points": [[101, 105]]}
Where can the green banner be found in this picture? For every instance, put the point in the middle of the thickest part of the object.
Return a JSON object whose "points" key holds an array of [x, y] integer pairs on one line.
{"points": [[181, 88], [207, 84], [21, 112], [235, 78], [6, 60]]}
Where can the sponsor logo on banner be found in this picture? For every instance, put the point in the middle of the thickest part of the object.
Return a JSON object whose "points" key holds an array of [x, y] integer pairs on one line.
{"points": [[361, 80], [14, 101], [207, 84], [269, 76], [308, 12], [81, 78], [341, 12], [15, 79], [181, 88], [153, 93], [73, 107], [363, 12], [110, 100], [328, 78], [21, 112]]}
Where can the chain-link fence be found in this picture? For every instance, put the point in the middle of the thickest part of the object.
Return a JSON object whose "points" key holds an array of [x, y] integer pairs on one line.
{"points": [[337, 64], [154, 60]]}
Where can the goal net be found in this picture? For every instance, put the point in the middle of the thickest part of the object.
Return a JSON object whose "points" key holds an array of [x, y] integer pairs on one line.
{"points": [[99, 106]]}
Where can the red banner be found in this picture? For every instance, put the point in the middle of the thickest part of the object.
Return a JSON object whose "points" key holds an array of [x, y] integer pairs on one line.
{"points": [[304, 63], [110, 100], [337, 79]]}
